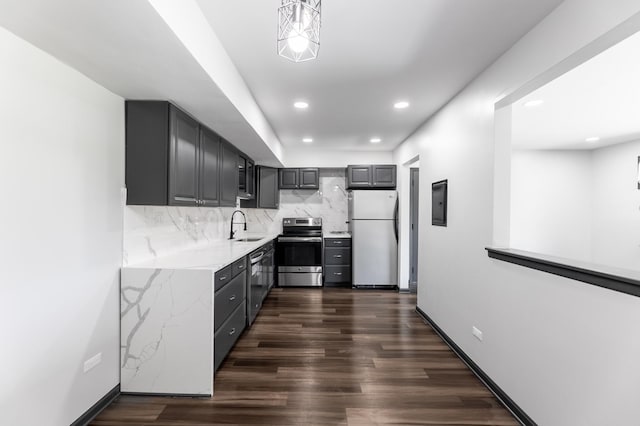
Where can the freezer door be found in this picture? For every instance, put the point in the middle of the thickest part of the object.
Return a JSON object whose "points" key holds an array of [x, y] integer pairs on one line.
{"points": [[374, 253], [372, 204]]}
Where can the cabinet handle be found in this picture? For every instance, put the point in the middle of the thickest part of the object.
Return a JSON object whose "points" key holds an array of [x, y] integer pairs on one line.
{"points": [[241, 267], [337, 256], [232, 332], [224, 278], [337, 242], [337, 273], [232, 298]]}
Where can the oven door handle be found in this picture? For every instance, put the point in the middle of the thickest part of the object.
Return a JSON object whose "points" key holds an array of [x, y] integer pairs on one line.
{"points": [[299, 239]]}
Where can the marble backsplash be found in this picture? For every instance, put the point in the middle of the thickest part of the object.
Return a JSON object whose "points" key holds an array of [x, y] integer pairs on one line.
{"points": [[153, 231]]}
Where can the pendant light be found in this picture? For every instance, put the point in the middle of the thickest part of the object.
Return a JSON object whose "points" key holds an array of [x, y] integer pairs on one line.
{"points": [[299, 29]]}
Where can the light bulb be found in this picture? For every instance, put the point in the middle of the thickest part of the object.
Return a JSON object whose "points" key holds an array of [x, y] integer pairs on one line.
{"points": [[297, 41]]}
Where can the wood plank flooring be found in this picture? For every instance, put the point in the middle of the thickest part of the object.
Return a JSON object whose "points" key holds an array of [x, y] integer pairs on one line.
{"points": [[330, 357]]}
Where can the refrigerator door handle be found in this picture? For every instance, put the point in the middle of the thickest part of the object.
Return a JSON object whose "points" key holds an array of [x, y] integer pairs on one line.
{"points": [[395, 219]]}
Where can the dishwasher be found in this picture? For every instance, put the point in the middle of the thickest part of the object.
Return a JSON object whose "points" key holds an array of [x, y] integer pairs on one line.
{"points": [[261, 279]]}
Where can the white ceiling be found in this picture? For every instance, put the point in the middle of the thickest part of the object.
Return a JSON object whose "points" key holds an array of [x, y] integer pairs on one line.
{"points": [[599, 98], [373, 53]]}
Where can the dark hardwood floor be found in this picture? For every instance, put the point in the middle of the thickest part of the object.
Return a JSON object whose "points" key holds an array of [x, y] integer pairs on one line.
{"points": [[330, 357]]}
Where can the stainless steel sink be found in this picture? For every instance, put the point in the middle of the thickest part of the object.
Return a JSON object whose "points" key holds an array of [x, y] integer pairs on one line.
{"points": [[248, 240]]}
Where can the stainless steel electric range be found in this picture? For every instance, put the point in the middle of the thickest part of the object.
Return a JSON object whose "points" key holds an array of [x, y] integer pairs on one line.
{"points": [[299, 252]]}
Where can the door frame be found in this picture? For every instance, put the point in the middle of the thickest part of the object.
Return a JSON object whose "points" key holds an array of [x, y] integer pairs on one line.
{"points": [[414, 216]]}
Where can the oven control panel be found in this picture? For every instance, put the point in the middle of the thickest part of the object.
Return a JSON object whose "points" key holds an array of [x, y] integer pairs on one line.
{"points": [[301, 221]]}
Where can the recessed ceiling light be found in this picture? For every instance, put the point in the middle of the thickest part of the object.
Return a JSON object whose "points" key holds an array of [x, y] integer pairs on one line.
{"points": [[401, 105], [534, 103], [307, 140], [592, 139], [375, 140], [301, 105]]}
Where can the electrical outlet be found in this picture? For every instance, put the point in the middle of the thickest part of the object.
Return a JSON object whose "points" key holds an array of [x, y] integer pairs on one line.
{"points": [[477, 333], [92, 362]]}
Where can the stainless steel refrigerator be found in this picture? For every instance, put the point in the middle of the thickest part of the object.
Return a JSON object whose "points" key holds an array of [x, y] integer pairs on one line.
{"points": [[373, 223]]}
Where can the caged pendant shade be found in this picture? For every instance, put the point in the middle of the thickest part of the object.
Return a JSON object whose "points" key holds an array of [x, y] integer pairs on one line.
{"points": [[299, 29]]}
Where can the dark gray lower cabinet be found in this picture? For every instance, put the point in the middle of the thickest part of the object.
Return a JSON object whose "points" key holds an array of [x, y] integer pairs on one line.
{"points": [[230, 308], [228, 299], [228, 334], [337, 262]]}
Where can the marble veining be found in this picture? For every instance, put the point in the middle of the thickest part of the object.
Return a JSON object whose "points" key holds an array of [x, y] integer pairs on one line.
{"points": [[167, 331], [152, 232]]}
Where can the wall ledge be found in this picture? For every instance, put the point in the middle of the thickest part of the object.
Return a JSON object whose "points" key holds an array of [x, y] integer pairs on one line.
{"points": [[621, 280]]}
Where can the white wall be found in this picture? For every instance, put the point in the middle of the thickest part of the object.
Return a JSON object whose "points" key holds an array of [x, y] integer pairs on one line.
{"points": [[62, 167], [565, 351], [551, 202], [616, 207], [318, 157], [580, 204]]}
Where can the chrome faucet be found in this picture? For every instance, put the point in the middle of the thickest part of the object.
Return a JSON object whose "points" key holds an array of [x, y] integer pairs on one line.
{"points": [[231, 232]]}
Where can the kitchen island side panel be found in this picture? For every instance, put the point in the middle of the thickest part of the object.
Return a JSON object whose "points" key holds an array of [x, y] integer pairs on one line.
{"points": [[166, 331]]}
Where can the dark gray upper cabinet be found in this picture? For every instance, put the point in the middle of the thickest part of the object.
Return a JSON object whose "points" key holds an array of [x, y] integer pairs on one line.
{"points": [[309, 178], [183, 159], [147, 152], [246, 177], [373, 176], [383, 176], [209, 168], [288, 179], [171, 159], [251, 179], [267, 191], [359, 176], [228, 175], [305, 178]]}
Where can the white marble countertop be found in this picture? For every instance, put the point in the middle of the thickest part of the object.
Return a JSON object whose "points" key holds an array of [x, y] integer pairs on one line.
{"points": [[340, 234], [213, 257]]}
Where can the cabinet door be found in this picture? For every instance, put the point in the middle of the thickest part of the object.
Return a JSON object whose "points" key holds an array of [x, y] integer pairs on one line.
{"points": [[251, 179], [384, 176], [228, 175], [209, 168], [268, 193], [309, 178], [147, 152], [288, 179], [359, 176], [242, 175], [183, 159]]}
